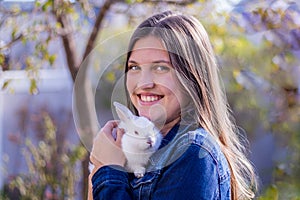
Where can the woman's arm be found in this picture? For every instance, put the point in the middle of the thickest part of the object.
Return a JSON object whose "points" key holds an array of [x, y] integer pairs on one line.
{"points": [[111, 182], [107, 179]]}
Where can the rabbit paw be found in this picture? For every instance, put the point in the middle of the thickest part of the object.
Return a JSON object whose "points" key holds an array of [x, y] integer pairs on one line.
{"points": [[139, 173]]}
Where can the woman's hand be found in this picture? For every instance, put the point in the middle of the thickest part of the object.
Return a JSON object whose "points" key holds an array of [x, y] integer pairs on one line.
{"points": [[107, 148]]}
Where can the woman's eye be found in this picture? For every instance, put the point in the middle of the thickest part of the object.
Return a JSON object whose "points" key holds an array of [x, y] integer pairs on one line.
{"points": [[162, 68], [133, 67]]}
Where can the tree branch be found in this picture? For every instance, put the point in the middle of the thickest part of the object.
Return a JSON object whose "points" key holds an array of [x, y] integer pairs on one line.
{"points": [[8, 45], [24, 34], [96, 28], [69, 46]]}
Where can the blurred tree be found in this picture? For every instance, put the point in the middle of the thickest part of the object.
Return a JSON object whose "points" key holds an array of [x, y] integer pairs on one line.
{"points": [[269, 68], [52, 165]]}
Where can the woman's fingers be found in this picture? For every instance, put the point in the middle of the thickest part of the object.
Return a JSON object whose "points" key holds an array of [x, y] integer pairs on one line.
{"points": [[109, 128], [106, 149], [112, 131], [120, 133]]}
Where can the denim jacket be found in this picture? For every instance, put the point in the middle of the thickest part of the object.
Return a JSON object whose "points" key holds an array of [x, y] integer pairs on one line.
{"points": [[188, 165]]}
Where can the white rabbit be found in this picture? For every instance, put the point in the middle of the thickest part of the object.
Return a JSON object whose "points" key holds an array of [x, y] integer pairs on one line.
{"points": [[140, 141]]}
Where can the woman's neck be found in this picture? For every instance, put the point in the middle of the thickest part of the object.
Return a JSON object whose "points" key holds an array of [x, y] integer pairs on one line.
{"points": [[168, 126]]}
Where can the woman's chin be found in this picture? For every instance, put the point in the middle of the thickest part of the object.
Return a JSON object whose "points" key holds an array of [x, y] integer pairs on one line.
{"points": [[154, 117]]}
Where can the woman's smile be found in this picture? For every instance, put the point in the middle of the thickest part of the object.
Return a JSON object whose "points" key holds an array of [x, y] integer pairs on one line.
{"points": [[149, 98]]}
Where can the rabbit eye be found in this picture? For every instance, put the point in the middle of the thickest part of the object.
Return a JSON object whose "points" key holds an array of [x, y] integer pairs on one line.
{"points": [[135, 132]]}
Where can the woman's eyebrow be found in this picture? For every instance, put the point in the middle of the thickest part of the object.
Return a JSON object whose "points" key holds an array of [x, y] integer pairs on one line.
{"points": [[156, 61], [132, 61], [162, 61]]}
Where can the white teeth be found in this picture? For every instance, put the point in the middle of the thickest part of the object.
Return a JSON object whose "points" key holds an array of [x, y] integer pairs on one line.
{"points": [[149, 98]]}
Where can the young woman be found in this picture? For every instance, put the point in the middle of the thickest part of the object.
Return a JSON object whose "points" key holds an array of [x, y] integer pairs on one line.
{"points": [[172, 79]]}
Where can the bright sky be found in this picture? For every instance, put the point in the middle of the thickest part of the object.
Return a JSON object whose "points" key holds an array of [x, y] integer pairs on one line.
{"points": [[227, 4]]}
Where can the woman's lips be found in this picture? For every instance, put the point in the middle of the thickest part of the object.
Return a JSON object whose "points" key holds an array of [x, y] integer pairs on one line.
{"points": [[149, 98]]}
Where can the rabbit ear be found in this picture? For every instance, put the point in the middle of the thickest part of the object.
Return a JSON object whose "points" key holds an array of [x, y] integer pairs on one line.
{"points": [[123, 112]]}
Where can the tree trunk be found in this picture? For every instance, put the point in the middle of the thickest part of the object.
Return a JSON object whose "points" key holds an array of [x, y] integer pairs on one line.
{"points": [[83, 97]]}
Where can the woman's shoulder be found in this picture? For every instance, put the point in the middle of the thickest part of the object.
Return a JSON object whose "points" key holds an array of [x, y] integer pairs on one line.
{"points": [[200, 138], [200, 145], [196, 145], [202, 141]]}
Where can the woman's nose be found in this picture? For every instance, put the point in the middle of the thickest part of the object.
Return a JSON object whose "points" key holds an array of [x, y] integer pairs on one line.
{"points": [[146, 80]]}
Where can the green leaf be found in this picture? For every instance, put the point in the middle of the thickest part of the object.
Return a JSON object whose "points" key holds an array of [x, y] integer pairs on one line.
{"points": [[129, 1], [52, 59], [47, 5], [5, 84], [110, 76], [24, 40], [33, 87], [2, 59], [37, 4], [270, 194], [13, 33], [58, 25]]}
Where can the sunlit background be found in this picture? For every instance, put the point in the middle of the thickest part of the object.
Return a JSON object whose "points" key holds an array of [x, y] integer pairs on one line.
{"points": [[43, 44]]}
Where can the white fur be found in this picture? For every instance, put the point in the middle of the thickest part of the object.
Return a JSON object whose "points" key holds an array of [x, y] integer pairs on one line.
{"points": [[140, 141]]}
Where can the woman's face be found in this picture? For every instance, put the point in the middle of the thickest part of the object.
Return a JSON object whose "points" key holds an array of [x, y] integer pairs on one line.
{"points": [[152, 82]]}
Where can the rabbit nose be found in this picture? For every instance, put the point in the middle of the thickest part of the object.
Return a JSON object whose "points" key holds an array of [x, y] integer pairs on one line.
{"points": [[150, 141]]}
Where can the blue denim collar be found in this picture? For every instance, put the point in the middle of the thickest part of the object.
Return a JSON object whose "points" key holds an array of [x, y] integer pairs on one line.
{"points": [[176, 137], [170, 135], [177, 129]]}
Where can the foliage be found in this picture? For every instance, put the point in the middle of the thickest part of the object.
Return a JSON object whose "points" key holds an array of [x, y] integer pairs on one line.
{"points": [[267, 83], [52, 166]]}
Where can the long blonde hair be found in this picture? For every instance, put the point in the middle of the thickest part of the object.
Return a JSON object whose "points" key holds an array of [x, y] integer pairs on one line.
{"points": [[192, 56]]}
